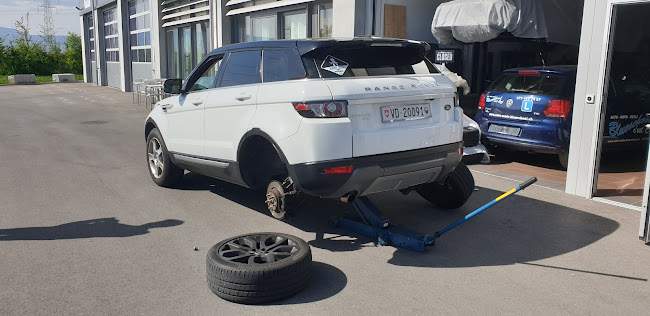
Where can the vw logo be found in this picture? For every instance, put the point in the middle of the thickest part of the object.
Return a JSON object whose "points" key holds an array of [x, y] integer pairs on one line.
{"points": [[509, 103]]}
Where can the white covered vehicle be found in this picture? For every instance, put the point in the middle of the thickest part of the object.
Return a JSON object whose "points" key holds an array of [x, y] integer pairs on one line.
{"points": [[324, 117]]}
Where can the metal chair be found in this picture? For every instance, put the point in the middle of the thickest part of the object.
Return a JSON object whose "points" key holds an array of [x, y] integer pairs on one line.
{"points": [[153, 92], [137, 90]]}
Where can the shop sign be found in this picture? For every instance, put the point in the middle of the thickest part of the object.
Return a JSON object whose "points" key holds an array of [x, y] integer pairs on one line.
{"points": [[444, 56]]}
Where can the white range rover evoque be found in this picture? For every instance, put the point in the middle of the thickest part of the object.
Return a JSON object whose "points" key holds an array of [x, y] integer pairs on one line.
{"points": [[325, 117]]}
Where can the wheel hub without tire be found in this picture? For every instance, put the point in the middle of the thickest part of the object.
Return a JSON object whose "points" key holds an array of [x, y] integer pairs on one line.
{"points": [[275, 200]]}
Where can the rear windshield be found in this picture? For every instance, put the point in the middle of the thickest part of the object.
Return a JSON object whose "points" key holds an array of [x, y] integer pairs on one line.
{"points": [[531, 84], [369, 62]]}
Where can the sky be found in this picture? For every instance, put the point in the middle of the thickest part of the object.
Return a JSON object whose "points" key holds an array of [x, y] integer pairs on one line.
{"points": [[66, 17]]}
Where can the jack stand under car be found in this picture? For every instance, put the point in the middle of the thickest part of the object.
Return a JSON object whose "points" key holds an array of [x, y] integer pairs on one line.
{"points": [[372, 224]]}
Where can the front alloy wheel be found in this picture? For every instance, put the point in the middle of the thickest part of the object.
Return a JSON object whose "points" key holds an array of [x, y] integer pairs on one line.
{"points": [[162, 169], [156, 158]]}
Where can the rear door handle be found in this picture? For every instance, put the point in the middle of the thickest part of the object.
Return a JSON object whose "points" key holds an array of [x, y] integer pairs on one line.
{"points": [[244, 97]]}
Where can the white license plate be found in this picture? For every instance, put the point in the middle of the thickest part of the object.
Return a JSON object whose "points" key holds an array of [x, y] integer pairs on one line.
{"points": [[397, 113], [506, 130]]}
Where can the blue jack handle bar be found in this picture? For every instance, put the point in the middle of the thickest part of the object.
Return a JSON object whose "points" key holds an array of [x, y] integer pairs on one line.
{"points": [[520, 187]]}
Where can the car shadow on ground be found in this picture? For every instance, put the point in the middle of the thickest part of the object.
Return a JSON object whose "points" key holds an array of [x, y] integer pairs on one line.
{"points": [[517, 230], [93, 228], [548, 161]]}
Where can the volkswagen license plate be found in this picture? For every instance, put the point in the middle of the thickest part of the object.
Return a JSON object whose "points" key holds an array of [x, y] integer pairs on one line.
{"points": [[397, 113], [505, 130]]}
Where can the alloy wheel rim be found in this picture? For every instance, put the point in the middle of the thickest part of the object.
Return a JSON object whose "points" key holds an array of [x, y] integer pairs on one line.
{"points": [[258, 249], [155, 158]]}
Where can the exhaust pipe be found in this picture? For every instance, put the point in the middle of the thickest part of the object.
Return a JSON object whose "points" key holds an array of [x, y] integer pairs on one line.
{"points": [[348, 197]]}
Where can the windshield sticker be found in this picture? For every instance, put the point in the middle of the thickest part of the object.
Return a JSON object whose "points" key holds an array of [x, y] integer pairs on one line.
{"points": [[527, 105], [335, 65]]}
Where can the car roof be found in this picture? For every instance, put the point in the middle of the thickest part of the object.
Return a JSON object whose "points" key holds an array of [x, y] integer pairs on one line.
{"points": [[558, 70], [307, 45]]}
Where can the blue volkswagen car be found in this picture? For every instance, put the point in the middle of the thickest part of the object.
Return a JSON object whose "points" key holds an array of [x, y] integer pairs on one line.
{"points": [[529, 109]]}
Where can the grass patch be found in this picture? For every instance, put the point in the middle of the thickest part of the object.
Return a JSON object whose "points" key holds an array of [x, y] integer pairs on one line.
{"points": [[4, 79]]}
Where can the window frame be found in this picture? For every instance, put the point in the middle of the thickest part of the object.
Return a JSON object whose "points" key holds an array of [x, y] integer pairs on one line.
{"points": [[225, 66], [146, 31], [207, 62], [280, 49], [113, 51]]}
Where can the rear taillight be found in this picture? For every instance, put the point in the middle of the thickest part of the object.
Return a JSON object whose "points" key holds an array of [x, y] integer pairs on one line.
{"points": [[481, 102], [557, 108], [339, 170], [322, 109]]}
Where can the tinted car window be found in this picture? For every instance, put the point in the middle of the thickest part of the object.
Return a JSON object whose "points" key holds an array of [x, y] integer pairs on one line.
{"points": [[370, 61], [206, 81], [242, 68], [282, 64], [533, 84]]}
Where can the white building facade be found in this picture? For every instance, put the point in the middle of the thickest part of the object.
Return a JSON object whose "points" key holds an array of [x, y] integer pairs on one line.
{"points": [[126, 41]]}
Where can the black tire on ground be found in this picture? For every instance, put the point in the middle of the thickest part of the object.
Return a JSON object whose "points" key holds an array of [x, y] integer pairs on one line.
{"points": [[161, 168], [258, 268], [563, 157], [453, 193]]}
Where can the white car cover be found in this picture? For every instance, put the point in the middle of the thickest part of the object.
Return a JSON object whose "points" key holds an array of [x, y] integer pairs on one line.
{"points": [[470, 21]]}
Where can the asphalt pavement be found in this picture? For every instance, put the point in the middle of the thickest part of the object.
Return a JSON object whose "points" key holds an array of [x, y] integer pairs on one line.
{"points": [[84, 231]]}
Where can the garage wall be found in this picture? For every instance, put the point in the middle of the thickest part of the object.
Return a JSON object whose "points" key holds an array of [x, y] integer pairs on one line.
{"points": [[419, 15], [93, 73], [113, 77], [141, 71]]}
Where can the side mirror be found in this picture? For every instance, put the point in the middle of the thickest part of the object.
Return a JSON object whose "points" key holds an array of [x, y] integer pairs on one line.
{"points": [[173, 86]]}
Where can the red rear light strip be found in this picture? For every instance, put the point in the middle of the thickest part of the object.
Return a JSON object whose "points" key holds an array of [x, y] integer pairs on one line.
{"points": [[481, 102], [557, 108], [339, 170]]}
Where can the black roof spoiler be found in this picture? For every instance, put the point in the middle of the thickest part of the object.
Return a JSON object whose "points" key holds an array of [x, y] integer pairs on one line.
{"points": [[305, 47]]}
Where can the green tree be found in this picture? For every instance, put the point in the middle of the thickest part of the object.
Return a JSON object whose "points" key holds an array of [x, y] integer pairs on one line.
{"points": [[73, 60], [27, 56], [4, 56]]}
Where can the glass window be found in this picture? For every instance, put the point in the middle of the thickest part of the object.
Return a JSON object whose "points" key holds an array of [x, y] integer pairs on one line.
{"points": [[186, 51], [173, 56], [240, 31], [139, 29], [207, 78], [91, 37], [242, 68], [325, 12], [264, 28], [282, 64], [201, 41], [111, 43], [533, 84], [369, 61], [294, 25]]}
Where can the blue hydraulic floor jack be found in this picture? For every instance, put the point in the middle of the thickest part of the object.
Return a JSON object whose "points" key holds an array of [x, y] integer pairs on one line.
{"points": [[374, 225]]}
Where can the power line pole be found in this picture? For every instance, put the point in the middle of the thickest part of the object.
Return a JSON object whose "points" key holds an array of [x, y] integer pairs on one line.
{"points": [[48, 27]]}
